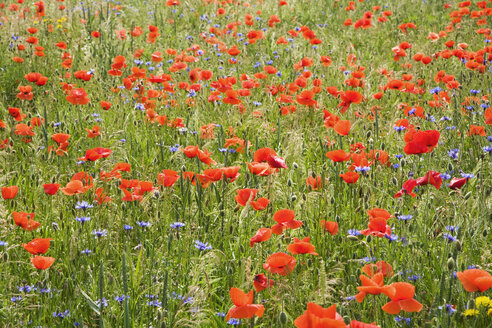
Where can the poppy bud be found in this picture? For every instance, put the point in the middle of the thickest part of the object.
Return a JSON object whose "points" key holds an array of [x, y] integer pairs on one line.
{"points": [[231, 230], [289, 182], [293, 197], [337, 218], [450, 167], [395, 181], [457, 245], [383, 145], [403, 162], [468, 194], [295, 165], [241, 248], [55, 226], [282, 318], [484, 233], [451, 263], [368, 238], [376, 157], [368, 134], [309, 262], [332, 200], [313, 175], [352, 237], [183, 168], [304, 197]]}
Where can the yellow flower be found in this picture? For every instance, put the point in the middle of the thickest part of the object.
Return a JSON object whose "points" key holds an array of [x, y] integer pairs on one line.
{"points": [[489, 312], [483, 301], [470, 313]]}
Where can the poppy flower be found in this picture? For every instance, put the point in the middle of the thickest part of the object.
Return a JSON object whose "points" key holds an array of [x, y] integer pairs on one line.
{"points": [[475, 280], [280, 263], [407, 189], [190, 151], [379, 213], [277, 162], [306, 98], [9, 192], [94, 132], [330, 226], [25, 221], [379, 267], [22, 129], [377, 227], [16, 114], [350, 177], [338, 155], [263, 154], [263, 234], [301, 247], [96, 153], [260, 282], [243, 305], [314, 183], [73, 187], [51, 188], [373, 285], [42, 262], [349, 97], [285, 220], [342, 127], [77, 97], [431, 177], [457, 183], [316, 316], [37, 245], [167, 178], [25, 92], [204, 157], [421, 142], [359, 324], [402, 299], [261, 169]]}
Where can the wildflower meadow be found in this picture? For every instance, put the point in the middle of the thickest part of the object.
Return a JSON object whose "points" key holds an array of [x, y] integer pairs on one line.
{"points": [[275, 163]]}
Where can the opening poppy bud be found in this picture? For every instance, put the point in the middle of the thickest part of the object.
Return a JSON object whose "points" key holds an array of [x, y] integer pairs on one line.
{"points": [[368, 238], [352, 237], [368, 134], [293, 198], [282, 318], [295, 165], [289, 183], [450, 167], [451, 263]]}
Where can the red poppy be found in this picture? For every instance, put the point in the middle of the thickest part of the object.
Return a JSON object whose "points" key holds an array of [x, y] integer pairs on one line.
{"points": [[51, 188], [475, 280], [285, 220], [78, 97], [342, 127], [301, 247], [316, 316], [260, 282], [243, 305], [457, 183], [16, 114], [38, 245], [349, 97], [380, 267], [96, 153], [263, 234], [262, 169], [330, 226], [374, 286], [42, 262], [350, 177], [402, 299], [306, 98], [167, 178], [263, 154], [431, 177], [25, 92], [280, 263], [9, 192], [338, 155], [25, 220], [314, 183], [421, 141]]}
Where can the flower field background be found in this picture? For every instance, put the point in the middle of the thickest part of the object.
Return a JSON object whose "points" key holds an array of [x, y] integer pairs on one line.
{"points": [[258, 164]]}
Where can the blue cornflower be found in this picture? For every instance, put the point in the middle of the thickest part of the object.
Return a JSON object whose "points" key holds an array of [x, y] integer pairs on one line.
{"points": [[16, 299], [128, 227], [221, 314], [399, 128], [449, 307], [177, 225], [445, 176], [405, 217], [449, 237], [451, 228], [83, 205], [174, 148], [202, 246], [86, 251], [234, 322], [396, 165], [367, 259], [3, 243], [354, 232], [391, 237], [362, 168], [144, 224], [100, 233], [104, 302], [82, 219], [61, 315], [467, 175], [487, 149], [398, 156], [121, 298]]}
